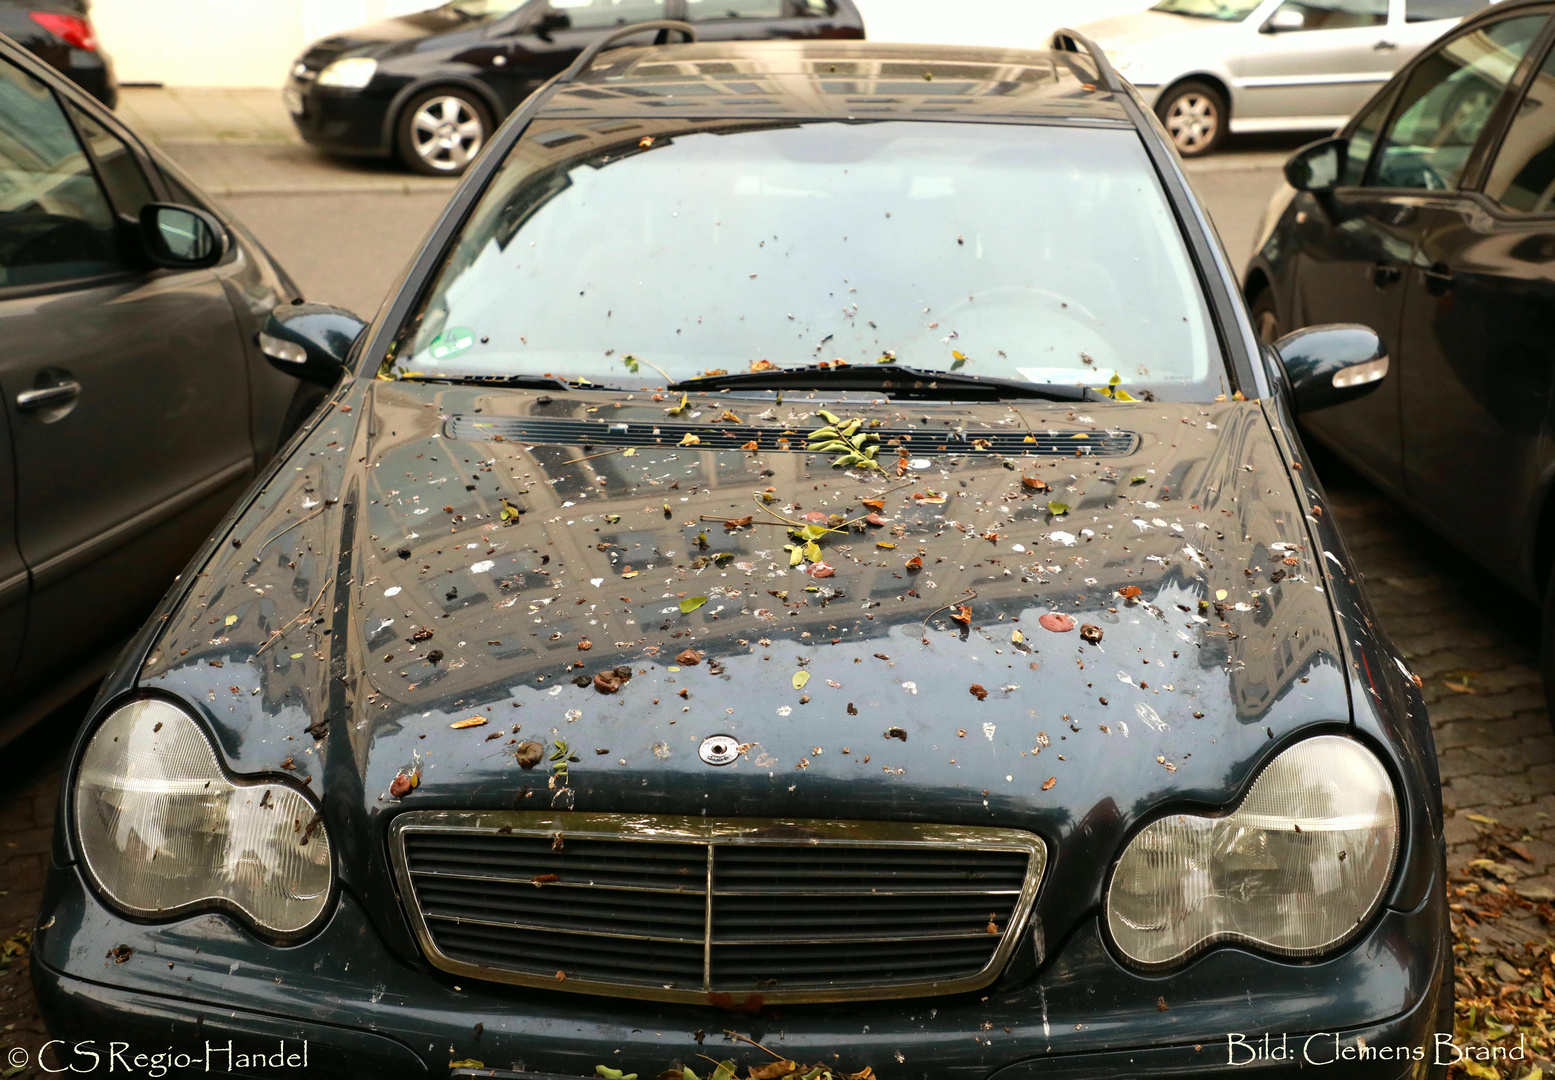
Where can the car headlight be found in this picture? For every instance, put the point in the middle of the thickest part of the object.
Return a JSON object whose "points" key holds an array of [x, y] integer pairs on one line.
{"points": [[164, 830], [353, 72], [1296, 868]]}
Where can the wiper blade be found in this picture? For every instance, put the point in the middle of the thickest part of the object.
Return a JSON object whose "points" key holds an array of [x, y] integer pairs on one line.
{"points": [[520, 382], [895, 379]]}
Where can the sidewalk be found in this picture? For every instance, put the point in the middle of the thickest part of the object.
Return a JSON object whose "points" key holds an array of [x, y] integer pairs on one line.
{"points": [[242, 142]]}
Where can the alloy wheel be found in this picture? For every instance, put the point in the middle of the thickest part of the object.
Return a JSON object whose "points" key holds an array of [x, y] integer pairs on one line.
{"points": [[447, 133], [1193, 121]]}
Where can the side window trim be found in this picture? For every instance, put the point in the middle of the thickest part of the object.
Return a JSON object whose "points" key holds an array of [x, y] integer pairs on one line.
{"points": [[153, 180], [1500, 124], [1497, 123], [1389, 92]]}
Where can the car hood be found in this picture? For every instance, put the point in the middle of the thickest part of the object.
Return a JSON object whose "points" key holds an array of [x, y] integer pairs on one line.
{"points": [[1148, 28], [436, 574], [401, 31]]}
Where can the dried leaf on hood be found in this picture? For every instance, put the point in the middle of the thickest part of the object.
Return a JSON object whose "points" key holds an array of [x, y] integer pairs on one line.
{"points": [[585, 645], [821, 570], [1057, 622], [773, 1070], [1047, 784], [914, 564], [474, 721], [607, 682], [1130, 592], [979, 692], [1032, 483], [529, 754], [738, 523], [1090, 632], [962, 614], [874, 504], [685, 403], [688, 657], [405, 783]]}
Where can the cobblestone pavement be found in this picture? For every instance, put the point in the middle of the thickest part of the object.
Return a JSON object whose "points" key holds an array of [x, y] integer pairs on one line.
{"points": [[1478, 661]]}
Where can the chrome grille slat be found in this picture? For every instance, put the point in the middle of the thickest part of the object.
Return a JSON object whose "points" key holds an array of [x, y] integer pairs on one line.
{"points": [[684, 909]]}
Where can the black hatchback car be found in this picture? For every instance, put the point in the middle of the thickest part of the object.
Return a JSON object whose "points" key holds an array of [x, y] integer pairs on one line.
{"points": [[813, 555], [60, 33], [432, 87], [1430, 217]]}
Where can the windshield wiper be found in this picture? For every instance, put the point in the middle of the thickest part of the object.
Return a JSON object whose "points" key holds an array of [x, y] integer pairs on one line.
{"points": [[518, 382], [895, 379]]}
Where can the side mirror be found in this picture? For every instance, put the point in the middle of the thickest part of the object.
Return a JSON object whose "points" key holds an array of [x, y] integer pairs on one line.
{"points": [[310, 341], [549, 22], [1317, 167], [1285, 19], [181, 237], [1329, 365]]}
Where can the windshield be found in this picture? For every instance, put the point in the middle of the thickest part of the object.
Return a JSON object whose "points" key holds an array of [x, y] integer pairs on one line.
{"points": [[628, 253], [1229, 10], [485, 9]]}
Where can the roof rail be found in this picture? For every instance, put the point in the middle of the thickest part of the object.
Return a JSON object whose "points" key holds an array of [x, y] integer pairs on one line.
{"points": [[1066, 40], [663, 26]]}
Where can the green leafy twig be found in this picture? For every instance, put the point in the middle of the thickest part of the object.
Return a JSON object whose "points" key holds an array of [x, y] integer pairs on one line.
{"points": [[633, 364], [854, 448]]}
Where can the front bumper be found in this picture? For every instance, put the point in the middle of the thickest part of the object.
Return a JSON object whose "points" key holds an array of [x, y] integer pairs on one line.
{"points": [[341, 121], [364, 1012]]}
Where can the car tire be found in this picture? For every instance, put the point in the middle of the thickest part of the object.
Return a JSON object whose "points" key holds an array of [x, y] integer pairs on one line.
{"points": [[442, 130], [1266, 318], [1196, 117]]}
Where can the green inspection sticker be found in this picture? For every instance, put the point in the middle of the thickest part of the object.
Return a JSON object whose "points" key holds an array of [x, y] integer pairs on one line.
{"points": [[452, 342]]}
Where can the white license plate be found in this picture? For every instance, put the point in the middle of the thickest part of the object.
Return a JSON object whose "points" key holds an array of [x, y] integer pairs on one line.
{"points": [[293, 101]]}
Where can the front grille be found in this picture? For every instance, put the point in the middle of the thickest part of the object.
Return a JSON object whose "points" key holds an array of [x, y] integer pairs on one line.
{"points": [[683, 909], [714, 436]]}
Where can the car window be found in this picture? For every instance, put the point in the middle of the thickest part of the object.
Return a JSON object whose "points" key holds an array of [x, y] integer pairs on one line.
{"points": [[55, 223], [1523, 176], [1042, 254], [1328, 15], [1223, 10], [1427, 10], [736, 9], [1446, 102], [602, 14], [1363, 139], [116, 165]]}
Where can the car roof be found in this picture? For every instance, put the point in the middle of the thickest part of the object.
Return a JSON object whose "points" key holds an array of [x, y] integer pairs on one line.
{"points": [[840, 79]]}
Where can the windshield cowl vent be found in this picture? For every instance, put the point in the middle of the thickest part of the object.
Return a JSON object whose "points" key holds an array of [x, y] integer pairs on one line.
{"points": [[772, 439]]}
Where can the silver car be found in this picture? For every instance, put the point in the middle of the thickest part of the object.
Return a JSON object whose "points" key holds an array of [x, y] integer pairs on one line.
{"points": [[1213, 66]]}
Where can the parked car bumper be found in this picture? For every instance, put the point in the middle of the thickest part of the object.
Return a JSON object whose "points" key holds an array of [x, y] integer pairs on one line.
{"points": [[340, 121], [365, 1012]]}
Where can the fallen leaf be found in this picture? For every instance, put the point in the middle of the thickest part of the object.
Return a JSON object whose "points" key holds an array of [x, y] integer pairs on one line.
{"points": [[763, 365], [957, 355], [800, 678], [979, 692], [585, 645], [544, 879], [772, 1070], [1057, 622], [896, 733], [529, 754], [962, 615], [873, 504], [738, 523], [821, 570], [1091, 633], [689, 439], [474, 721], [690, 604], [1034, 484], [1016, 637], [607, 682], [883, 546], [690, 658], [914, 564], [752, 445], [1057, 509], [875, 519], [1047, 784], [1130, 592]]}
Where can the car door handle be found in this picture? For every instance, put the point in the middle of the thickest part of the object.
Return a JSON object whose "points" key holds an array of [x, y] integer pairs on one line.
{"points": [[1384, 273], [1438, 279], [1385, 46], [31, 400]]}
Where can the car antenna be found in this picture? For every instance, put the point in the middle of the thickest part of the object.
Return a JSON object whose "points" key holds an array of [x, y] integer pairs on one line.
{"points": [[1066, 40], [663, 26]]}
